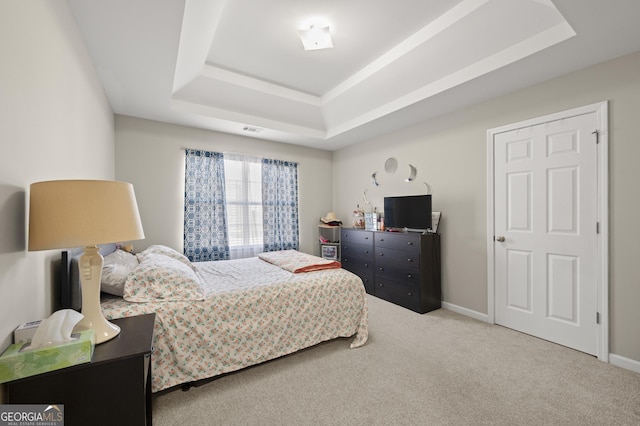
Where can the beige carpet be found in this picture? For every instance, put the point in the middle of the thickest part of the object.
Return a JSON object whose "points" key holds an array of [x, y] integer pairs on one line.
{"points": [[440, 368]]}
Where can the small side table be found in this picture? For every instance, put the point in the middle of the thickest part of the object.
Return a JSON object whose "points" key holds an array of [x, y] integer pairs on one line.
{"points": [[114, 388], [330, 249]]}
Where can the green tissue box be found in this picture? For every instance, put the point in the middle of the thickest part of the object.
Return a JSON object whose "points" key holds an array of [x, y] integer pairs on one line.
{"points": [[16, 362]]}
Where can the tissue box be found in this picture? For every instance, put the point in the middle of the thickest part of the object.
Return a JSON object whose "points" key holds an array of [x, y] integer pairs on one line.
{"points": [[24, 333], [16, 362]]}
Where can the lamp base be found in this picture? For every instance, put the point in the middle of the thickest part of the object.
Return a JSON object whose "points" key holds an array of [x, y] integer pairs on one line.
{"points": [[90, 265], [102, 328]]}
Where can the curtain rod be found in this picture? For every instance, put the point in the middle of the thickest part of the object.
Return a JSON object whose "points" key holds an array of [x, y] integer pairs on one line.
{"points": [[258, 156]]}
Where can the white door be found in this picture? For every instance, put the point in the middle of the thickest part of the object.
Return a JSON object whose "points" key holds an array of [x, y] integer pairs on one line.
{"points": [[546, 241]]}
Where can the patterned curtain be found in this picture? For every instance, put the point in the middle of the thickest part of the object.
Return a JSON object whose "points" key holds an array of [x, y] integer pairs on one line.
{"points": [[205, 222], [280, 205]]}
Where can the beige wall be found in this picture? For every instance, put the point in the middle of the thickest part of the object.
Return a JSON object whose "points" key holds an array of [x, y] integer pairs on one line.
{"points": [[55, 123], [151, 155], [450, 154]]}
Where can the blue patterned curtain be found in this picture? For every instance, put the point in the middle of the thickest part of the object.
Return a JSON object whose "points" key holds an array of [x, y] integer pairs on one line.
{"points": [[205, 222], [280, 205]]}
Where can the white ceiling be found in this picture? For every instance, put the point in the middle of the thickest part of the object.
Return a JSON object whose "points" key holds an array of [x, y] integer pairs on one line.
{"points": [[227, 65]]}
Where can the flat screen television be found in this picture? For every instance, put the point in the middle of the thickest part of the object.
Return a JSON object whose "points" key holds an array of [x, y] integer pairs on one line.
{"points": [[410, 211]]}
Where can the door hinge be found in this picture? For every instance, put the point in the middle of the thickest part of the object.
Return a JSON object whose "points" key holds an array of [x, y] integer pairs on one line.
{"points": [[597, 227], [597, 133], [597, 317]]}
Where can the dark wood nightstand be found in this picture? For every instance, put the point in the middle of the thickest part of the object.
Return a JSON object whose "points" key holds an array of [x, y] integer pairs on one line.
{"points": [[114, 388]]}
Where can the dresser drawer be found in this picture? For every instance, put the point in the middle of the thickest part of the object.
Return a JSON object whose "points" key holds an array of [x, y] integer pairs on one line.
{"points": [[357, 251], [366, 276], [398, 293], [397, 262], [406, 276], [358, 266], [398, 241], [359, 237], [363, 269]]}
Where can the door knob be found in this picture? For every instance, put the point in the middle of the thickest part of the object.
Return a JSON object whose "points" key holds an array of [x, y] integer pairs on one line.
{"points": [[500, 239]]}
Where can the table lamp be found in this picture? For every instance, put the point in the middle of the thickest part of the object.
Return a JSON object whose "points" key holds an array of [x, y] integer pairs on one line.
{"points": [[73, 213]]}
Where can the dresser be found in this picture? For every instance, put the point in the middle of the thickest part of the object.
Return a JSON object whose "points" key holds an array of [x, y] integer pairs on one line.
{"points": [[402, 268]]}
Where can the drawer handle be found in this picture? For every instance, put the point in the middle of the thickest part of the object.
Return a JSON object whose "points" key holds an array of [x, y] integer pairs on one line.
{"points": [[409, 260], [410, 243], [382, 269], [381, 285], [366, 264], [409, 294], [381, 254], [409, 276], [366, 251]]}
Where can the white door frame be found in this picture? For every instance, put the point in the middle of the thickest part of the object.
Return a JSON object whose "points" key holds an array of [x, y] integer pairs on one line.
{"points": [[602, 279]]}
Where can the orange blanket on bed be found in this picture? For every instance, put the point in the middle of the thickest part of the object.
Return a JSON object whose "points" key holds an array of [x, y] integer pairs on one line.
{"points": [[295, 261]]}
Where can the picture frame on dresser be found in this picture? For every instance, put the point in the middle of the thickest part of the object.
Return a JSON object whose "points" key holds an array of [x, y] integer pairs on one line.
{"points": [[435, 221]]}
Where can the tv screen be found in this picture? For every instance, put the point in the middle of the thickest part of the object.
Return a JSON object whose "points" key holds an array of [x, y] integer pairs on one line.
{"points": [[410, 211]]}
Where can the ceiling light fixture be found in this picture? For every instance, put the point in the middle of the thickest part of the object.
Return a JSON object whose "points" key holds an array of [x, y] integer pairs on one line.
{"points": [[316, 37]]}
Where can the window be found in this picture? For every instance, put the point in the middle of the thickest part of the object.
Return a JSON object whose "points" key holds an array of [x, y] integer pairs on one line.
{"points": [[238, 206], [243, 190]]}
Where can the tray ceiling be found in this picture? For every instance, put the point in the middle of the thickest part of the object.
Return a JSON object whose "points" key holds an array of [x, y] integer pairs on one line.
{"points": [[236, 65]]}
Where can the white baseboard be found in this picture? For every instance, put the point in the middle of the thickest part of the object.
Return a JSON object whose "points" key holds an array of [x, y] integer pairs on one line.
{"points": [[626, 363], [464, 311], [617, 360]]}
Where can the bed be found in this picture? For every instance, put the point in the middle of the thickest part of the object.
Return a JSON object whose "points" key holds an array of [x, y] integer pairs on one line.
{"points": [[217, 317]]}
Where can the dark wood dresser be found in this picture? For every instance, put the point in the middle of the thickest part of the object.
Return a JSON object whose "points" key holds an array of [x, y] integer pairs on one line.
{"points": [[113, 389], [402, 268]]}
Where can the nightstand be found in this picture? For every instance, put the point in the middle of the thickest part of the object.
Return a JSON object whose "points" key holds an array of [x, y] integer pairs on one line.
{"points": [[114, 388]]}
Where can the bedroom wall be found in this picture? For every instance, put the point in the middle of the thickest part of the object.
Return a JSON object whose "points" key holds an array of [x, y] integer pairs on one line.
{"points": [[450, 154], [55, 123], [150, 155]]}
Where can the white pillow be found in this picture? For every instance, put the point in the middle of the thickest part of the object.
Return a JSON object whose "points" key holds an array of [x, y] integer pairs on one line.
{"points": [[167, 251], [162, 278], [115, 269]]}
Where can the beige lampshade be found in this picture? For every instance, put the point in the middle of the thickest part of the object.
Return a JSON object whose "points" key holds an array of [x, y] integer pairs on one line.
{"points": [[74, 213]]}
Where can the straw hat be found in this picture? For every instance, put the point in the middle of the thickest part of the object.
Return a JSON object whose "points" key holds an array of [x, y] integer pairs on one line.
{"points": [[331, 217]]}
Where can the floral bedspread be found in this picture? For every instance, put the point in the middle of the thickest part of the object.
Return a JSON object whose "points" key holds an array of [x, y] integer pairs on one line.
{"points": [[253, 312]]}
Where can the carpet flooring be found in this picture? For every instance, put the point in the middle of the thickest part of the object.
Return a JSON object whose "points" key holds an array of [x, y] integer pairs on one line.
{"points": [[439, 368]]}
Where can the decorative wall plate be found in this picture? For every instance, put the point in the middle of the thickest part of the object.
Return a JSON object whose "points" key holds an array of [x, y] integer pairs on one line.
{"points": [[412, 173], [391, 165]]}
